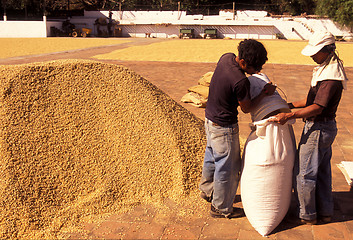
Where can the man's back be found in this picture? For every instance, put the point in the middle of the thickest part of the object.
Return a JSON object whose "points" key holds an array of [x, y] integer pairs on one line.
{"points": [[228, 86]]}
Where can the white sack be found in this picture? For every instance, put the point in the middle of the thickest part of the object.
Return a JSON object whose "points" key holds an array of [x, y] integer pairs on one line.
{"points": [[266, 180], [267, 104]]}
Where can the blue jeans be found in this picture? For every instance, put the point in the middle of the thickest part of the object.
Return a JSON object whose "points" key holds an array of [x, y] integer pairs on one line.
{"points": [[222, 163], [312, 170]]}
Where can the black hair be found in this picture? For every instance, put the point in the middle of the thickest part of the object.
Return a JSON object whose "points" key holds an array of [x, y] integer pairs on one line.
{"points": [[329, 48], [253, 53]]}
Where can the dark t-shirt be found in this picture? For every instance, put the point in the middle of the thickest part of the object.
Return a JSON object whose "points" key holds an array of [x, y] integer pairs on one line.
{"points": [[327, 94], [228, 86]]}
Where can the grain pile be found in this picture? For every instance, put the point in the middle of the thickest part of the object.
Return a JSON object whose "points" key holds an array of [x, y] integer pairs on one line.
{"points": [[80, 138]]}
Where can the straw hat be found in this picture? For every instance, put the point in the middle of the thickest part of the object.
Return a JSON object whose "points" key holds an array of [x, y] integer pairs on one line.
{"points": [[317, 41]]}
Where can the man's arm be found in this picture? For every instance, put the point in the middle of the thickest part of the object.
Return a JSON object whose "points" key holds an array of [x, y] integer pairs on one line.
{"points": [[247, 105], [306, 112], [297, 104]]}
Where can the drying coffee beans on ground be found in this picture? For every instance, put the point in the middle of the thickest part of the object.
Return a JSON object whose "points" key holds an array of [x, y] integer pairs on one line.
{"points": [[81, 138]]}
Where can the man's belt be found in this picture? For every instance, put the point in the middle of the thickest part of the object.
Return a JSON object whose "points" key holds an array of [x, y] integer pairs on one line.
{"points": [[319, 119]]}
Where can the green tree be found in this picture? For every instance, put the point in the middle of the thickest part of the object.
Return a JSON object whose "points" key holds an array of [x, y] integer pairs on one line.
{"points": [[340, 11], [293, 7]]}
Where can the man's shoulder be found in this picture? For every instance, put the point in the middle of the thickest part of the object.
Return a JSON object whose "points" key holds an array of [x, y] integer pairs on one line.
{"points": [[229, 60], [330, 83], [228, 55]]}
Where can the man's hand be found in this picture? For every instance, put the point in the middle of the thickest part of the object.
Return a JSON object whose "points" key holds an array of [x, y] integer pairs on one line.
{"points": [[269, 88], [281, 118]]}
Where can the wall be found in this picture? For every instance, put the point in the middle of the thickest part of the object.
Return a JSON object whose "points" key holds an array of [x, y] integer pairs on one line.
{"points": [[170, 31], [23, 29]]}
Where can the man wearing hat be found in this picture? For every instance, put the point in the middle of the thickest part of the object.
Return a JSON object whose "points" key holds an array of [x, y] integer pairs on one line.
{"points": [[312, 169]]}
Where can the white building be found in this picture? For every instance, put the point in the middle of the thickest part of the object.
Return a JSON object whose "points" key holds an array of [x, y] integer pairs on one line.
{"points": [[167, 24]]}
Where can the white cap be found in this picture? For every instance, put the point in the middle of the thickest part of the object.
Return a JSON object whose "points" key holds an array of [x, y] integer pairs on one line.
{"points": [[317, 41]]}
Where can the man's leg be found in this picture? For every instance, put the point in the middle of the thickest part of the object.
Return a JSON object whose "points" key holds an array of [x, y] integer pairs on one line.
{"points": [[226, 152], [324, 181], [305, 170], [207, 177]]}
